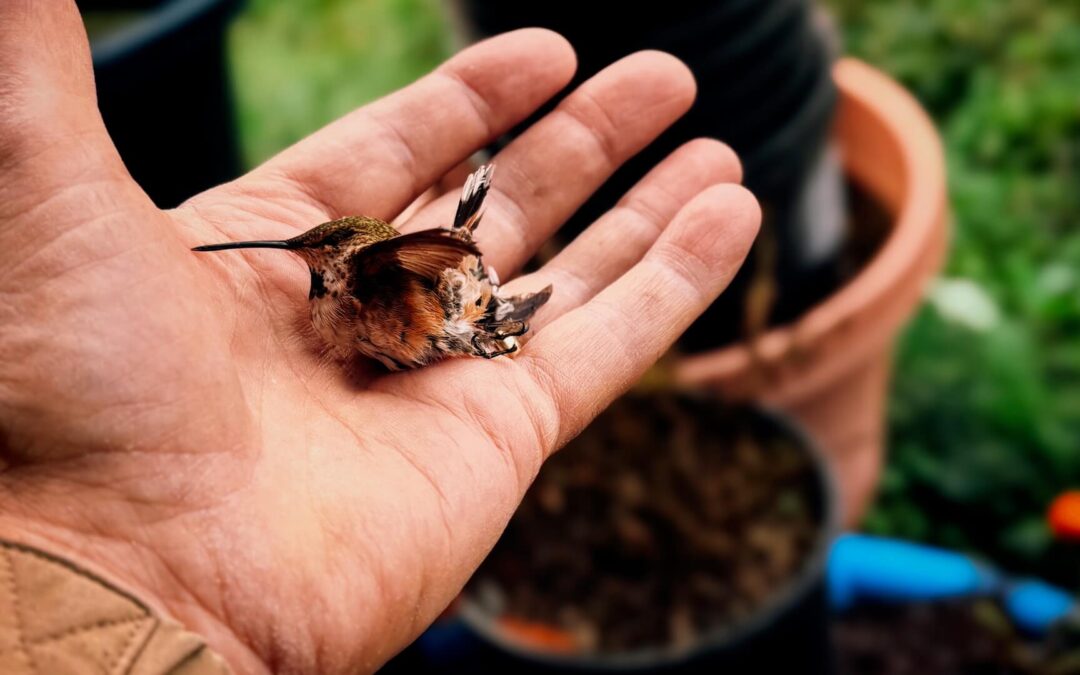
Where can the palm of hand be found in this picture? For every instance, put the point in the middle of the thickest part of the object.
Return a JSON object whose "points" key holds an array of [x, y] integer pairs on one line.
{"points": [[167, 418]]}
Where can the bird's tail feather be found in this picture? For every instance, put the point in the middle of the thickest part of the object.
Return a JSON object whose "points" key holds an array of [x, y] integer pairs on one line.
{"points": [[470, 206], [524, 306]]}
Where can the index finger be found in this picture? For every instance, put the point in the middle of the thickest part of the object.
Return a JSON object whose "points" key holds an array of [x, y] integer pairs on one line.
{"points": [[377, 159]]}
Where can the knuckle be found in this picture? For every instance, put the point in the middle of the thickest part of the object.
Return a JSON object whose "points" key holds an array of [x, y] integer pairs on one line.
{"points": [[590, 114]]}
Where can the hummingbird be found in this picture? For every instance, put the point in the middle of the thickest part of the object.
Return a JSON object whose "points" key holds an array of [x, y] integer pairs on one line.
{"points": [[408, 300]]}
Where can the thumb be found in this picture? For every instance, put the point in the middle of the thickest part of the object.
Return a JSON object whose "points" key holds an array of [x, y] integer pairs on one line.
{"points": [[48, 106], [56, 158]]}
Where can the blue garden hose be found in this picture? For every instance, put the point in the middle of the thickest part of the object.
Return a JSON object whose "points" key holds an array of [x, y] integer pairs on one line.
{"points": [[862, 567]]}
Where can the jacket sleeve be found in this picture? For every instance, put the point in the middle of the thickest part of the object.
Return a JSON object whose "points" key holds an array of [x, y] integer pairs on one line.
{"points": [[58, 619]]}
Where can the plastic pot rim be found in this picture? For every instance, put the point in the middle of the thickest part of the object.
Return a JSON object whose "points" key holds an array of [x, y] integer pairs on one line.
{"points": [[151, 26]]}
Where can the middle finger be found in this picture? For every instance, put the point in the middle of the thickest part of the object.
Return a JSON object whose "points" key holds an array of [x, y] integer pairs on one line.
{"points": [[549, 171]]}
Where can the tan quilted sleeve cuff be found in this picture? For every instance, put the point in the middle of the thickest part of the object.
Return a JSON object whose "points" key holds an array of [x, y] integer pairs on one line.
{"points": [[56, 619]]}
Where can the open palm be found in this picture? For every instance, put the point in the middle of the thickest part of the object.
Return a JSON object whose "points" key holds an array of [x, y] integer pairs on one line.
{"points": [[169, 419]]}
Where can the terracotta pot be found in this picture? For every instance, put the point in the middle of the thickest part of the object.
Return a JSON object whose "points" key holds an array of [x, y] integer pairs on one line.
{"points": [[831, 367]]}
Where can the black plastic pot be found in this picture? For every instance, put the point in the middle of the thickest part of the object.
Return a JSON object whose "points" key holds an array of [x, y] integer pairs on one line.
{"points": [[163, 90], [789, 633], [763, 70]]}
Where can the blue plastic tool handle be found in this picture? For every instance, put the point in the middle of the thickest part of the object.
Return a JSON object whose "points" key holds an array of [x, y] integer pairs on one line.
{"points": [[862, 567], [1035, 605]]}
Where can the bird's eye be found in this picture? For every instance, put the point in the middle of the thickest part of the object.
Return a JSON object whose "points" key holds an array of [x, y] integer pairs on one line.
{"points": [[478, 302]]}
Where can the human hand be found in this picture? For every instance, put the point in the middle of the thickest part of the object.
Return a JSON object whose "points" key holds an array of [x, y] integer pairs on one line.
{"points": [[166, 419]]}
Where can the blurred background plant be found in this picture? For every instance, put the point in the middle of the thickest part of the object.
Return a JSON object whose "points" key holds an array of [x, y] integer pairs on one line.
{"points": [[985, 413], [302, 63]]}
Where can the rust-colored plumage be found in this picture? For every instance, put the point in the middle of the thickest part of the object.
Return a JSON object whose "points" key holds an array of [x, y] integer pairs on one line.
{"points": [[408, 299]]}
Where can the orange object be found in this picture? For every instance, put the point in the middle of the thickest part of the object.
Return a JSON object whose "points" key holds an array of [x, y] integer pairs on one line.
{"points": [[830, 368], [538, 635], [1064, 515]]}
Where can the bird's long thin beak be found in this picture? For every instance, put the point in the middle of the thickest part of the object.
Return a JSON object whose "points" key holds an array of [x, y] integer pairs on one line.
{"points": [[282, 243]]}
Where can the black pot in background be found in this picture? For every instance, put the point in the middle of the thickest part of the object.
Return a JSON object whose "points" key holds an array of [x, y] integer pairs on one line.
{"points": [[164, 93], [764, 86], [789, 634]]}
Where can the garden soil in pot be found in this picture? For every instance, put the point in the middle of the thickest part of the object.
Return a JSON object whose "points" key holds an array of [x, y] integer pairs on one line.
{"points": [[969, 636], [666, 519]]}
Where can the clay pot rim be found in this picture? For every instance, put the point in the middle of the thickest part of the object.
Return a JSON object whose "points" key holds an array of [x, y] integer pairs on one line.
{"points": [[918, 216], [795, 590]]}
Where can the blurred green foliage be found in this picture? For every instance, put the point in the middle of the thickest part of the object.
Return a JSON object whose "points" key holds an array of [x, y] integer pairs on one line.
{"points": [[299, 64], [986, 406], [985, 415]]}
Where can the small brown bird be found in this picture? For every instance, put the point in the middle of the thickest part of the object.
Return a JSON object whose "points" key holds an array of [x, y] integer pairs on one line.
{"points": [[408, 299]]}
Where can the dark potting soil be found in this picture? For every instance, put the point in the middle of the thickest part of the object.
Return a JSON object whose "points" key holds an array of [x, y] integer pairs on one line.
{"points": [[962, 637], [666, 518]]}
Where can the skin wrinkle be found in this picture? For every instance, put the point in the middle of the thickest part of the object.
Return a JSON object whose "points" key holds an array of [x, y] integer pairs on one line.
{"points": [[78, 176], [330, 531], [202, 606], [610, 350], [589, 114], [43, 453], [271, 288], [61, 199], [234, 322], [481, 419], [504, 447], [46, 477], [376, 582], [398, 144], [483, 111], [444, 503], [682, 261], [204, 210], [62, 269], [547, 423], [235, 604], [619, 328], [641, 205], [142, 405], [425, 585], [658, 286], [543, 424], [40, 145], [444, 506], [102, 379], [266, 305]]}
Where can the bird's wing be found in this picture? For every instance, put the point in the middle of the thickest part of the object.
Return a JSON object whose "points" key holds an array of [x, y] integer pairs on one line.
{"points": [[424, 254]]}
